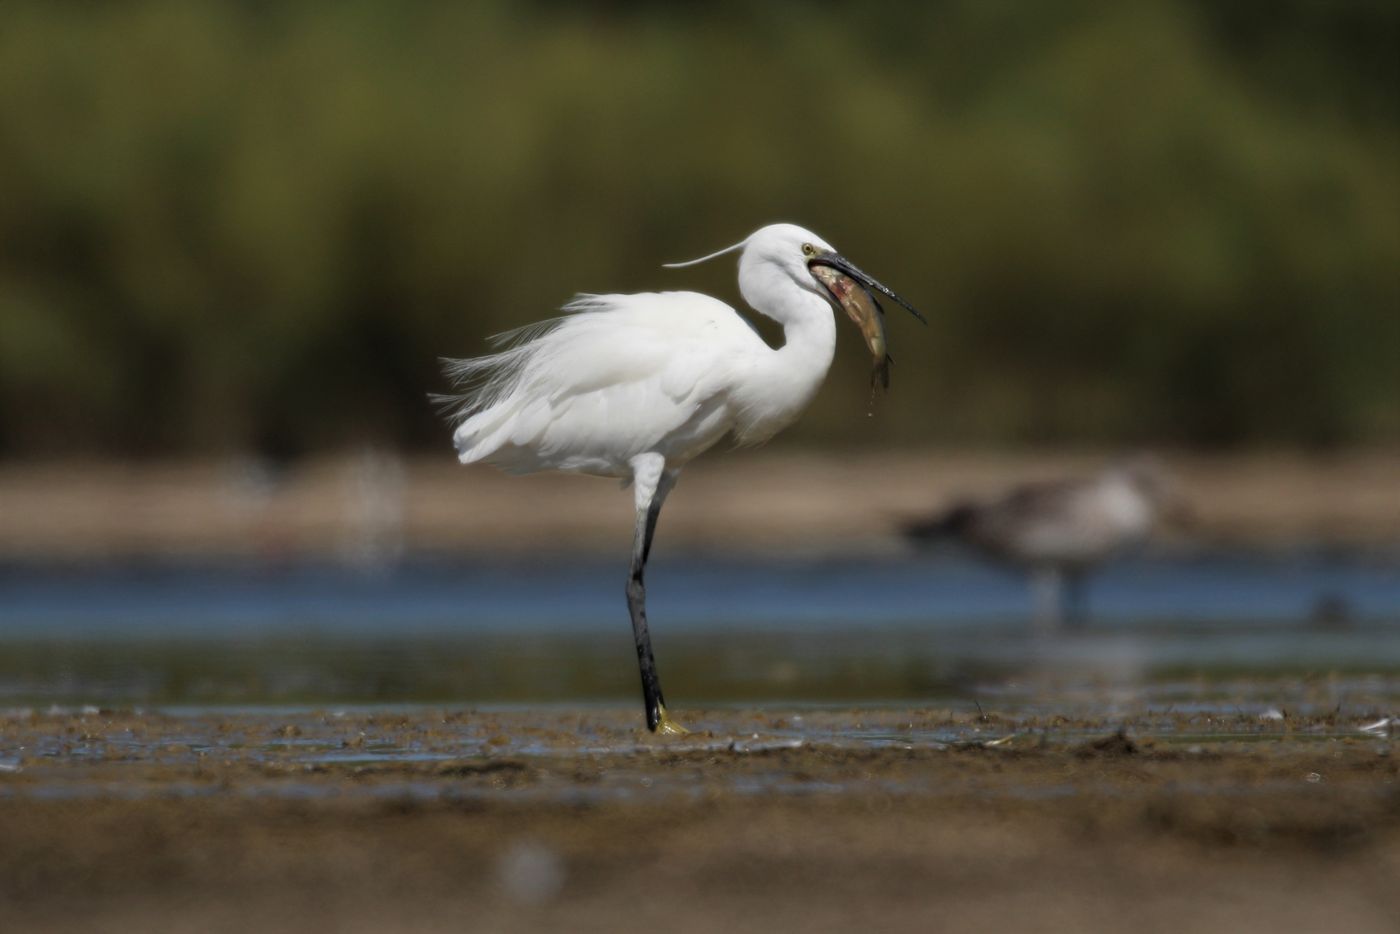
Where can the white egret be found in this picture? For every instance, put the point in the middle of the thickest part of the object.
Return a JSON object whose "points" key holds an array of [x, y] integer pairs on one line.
{"points": [[634, 386], [1060, 530]]}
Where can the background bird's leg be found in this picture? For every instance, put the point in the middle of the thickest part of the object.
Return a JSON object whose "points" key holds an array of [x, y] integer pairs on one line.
{"points": [[652, 482], [1076, 598], [1048, 586]]}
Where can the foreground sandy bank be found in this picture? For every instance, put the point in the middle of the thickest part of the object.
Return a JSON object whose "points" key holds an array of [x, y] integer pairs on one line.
{"points": [[823, 821]]}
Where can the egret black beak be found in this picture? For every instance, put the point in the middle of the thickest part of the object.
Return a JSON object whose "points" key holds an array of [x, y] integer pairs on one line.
{"points": [[838, 262]]}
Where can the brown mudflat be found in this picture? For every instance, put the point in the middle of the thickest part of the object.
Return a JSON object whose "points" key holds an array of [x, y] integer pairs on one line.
{"points": [[816, 820]]}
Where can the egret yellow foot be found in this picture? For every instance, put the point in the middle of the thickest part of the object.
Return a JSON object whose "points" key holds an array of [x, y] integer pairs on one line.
{"points": [[665, 725]]}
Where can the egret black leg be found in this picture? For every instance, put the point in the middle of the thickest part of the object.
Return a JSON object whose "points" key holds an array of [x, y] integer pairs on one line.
{"points": [[657, 720]]}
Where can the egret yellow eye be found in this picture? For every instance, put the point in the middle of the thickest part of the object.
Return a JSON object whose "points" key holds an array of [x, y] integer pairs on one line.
{"points": [[808, 249]]}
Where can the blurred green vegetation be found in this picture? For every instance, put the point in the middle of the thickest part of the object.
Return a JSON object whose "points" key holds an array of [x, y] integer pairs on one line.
{"points": [[233, 226]]}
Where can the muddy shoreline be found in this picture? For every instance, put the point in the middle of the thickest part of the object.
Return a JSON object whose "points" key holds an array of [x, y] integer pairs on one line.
{"points": [[800, 820]]}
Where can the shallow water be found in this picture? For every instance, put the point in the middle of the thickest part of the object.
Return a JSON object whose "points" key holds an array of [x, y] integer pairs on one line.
{"points": [[937, 629], [698, 593]]}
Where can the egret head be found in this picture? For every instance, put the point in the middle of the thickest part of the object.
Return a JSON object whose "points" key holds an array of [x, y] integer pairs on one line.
{"points": [[785, 253]]}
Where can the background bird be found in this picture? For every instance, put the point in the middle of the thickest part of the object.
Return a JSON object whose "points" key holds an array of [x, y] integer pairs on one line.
{"points": [[1059, 530], [634, 386]]}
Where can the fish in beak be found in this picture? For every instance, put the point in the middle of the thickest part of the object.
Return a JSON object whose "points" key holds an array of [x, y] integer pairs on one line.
{"points": [[852, 289]]}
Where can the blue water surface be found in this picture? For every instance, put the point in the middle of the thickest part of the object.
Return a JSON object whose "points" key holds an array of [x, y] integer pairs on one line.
{"points": [[435, 596]]}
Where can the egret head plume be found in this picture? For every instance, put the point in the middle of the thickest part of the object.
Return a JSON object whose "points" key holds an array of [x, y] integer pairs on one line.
{"points": [[692, 262], [775, 243]]}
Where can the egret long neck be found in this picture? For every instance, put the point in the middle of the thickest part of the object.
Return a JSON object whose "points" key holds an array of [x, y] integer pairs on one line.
{"points": [[785, 380], [809, 339]]}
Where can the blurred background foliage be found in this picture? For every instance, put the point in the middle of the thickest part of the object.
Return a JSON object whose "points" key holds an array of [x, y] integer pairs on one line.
{"points": [[254, 226]]}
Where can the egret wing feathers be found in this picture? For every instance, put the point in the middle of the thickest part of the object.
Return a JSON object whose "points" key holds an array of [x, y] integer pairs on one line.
{"points": [[579, 392]]}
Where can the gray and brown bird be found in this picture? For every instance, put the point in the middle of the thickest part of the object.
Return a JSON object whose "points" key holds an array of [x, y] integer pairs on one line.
{"points": [[1059, 530]]}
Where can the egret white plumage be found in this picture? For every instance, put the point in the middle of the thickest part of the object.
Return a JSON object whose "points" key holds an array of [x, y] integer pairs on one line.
{"points": [[635, 386]]}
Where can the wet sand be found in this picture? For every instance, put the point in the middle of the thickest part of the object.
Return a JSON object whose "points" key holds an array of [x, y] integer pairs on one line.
{"points": [[813, 819]]}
